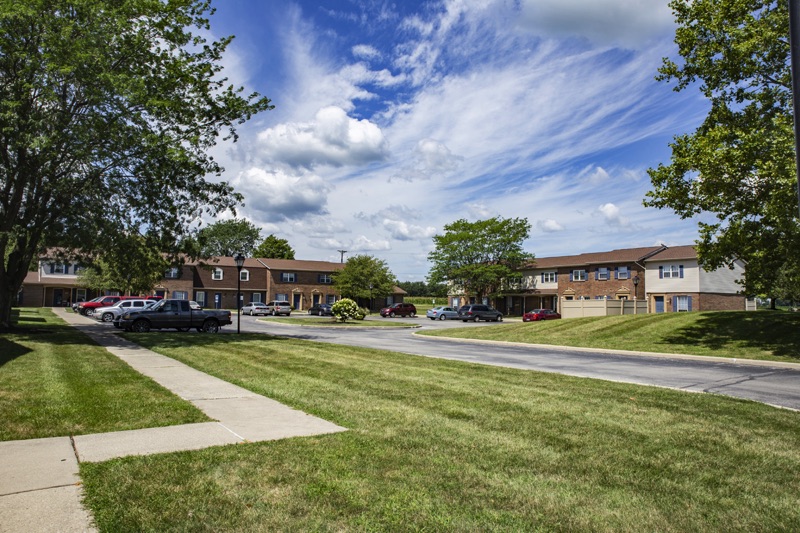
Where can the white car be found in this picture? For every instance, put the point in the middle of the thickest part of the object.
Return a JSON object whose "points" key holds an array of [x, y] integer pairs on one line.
{"points": [[108, 314]]}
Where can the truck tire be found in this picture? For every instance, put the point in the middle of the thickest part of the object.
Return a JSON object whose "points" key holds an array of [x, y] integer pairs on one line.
{"points": [[141, 326], [211, 326]]}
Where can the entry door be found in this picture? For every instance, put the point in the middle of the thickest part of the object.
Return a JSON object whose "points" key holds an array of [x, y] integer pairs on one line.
{"points": [[316, 298], [659, 304], [297, 298], [58, 297]]}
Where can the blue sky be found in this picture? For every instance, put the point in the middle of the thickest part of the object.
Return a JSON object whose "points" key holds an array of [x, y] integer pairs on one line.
{"points": [[393, 119]]}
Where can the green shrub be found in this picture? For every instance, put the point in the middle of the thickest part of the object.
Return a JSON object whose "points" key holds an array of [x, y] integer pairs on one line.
{"points": [[344, 309]]}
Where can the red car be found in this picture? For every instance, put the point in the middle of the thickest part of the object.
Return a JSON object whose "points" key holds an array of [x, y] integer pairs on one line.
{"points": [[540, 314]]}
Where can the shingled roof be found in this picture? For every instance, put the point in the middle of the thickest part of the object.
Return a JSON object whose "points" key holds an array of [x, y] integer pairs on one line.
{"points": [[626, 255]]}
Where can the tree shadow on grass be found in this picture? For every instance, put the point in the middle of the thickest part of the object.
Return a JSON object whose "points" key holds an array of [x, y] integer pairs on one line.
{"points": [[10, 350], [774, 332]]}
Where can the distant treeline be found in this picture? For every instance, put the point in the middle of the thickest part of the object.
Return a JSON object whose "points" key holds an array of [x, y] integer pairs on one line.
{"points": [[420, 288]]}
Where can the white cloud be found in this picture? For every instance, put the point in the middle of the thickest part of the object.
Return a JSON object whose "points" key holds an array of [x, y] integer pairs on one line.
{"points": [[612, 215], [273, 196], [549, 225], [332, 138], [395, 221], [365, 51]]}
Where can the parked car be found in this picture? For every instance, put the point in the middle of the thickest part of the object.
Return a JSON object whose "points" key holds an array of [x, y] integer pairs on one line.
{"points": [[87, 308], [401, 309], [177, 314], [540, 314], [108, 314], [255, 308], [321, 310], [477, 312], [441, 313], [279, 307]]}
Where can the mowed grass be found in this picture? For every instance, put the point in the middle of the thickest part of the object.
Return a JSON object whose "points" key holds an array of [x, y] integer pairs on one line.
{"points": [[437, 445], [773, 336], [54, 381]]}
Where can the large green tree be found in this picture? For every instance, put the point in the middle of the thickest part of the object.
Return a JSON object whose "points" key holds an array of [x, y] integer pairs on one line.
{"points": [[478, 257], [116, 268], [365, 277], [229, 237], [274, 248], [739, 164], [107, 111]]}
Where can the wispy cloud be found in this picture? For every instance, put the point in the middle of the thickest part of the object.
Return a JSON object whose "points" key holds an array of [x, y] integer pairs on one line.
{"points": [[395, 119]]}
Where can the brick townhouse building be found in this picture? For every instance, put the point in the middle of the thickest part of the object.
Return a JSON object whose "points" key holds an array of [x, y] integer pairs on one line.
{"points": [[212, 283], [668, 278]]}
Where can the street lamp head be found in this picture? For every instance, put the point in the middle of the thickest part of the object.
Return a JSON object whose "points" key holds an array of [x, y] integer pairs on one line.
{"points": [[239, 259]]}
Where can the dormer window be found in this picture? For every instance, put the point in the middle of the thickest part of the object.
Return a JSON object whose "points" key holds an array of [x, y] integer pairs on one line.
{"points": [[216, 274], [244, 275]]}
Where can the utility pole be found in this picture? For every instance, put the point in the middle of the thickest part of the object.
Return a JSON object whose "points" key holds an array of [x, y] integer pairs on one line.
{"points": [[341, 257]]}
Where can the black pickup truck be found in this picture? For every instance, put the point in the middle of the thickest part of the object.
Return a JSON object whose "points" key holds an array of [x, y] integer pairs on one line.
{"points": [[177, 314]]}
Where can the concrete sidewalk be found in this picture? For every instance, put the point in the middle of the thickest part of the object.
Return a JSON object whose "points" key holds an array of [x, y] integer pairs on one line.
{"points": [[39, 482]]}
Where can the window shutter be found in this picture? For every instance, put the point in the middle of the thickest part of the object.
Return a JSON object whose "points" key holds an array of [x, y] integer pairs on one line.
{"points": [[661, 272], [674, 301], [52, 267], [616, 272], [680, 267], [66, 269], [570, 274], [542, 277], [690, 302], [596, 274]]}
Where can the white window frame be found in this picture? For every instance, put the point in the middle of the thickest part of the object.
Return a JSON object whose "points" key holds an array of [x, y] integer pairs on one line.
{"points": [[579, 275], [256, 297], [172, 273], [623, 272], [180, 295], [550, 277], [200, 298], [288, 277], [602, 274], [244, 275], [59, 268], [282, 297], [216, 274], [671, 271], [682, 303], [330, 299], [325, 279]]}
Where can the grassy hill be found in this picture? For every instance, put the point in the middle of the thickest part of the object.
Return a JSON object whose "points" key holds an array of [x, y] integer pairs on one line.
{"points": [[773, 336]]}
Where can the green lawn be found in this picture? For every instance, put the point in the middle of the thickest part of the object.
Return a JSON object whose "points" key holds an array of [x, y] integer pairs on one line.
{"points": [[437, 445], [54, 381], [773, 336]]}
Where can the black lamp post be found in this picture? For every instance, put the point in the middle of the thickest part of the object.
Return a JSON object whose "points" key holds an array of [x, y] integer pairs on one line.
{"points": [[636, 286], [239, 259]]}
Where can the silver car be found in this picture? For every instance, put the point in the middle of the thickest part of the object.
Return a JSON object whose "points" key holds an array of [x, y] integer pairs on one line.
{"points": [[108, 314], [278, 307], [255, 308], [442, 313]]}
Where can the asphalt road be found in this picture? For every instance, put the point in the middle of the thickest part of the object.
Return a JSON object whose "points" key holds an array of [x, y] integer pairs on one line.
{"points": [[763, 382]]}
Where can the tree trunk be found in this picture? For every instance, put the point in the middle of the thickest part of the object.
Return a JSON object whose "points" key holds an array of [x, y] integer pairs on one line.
{"points": [[772, 303]]}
